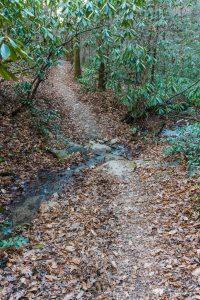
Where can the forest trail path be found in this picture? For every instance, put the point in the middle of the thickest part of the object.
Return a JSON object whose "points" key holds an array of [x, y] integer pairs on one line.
{"points": [[132, 245], [80, 114], [121, 231]]}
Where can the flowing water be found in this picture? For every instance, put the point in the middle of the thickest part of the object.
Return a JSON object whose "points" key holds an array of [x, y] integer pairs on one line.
{"points": [[48, 183]]}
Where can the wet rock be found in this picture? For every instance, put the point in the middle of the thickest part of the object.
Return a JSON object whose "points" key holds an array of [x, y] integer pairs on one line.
{"points": [[169, 133], [73, 148], [65, 153], [60, 154], [114, 141], [99, 141], [110, 156], [106, 140], [99, 149]]}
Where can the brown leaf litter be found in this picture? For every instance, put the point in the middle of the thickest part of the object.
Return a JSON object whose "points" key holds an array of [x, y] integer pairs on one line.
{"points": [[128, 235]]}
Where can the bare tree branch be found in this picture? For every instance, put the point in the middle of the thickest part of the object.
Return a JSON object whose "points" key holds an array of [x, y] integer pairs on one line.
{"points": [[37, 80], [168, 101]]}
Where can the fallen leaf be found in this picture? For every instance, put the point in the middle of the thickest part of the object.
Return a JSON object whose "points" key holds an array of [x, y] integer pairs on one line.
{"points": [[196, 272], [70, 248], [69, 296]]}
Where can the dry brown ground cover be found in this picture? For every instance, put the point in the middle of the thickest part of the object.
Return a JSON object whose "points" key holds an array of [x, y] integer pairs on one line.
{"points": [[132, 234]]}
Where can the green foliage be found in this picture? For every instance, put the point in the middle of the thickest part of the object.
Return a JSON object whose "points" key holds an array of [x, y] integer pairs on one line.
{"points": [[89, 78], [2, 159], [186, 145], [13, 242], [10, 239], [151, 53], [11, 50], [149, 49]]}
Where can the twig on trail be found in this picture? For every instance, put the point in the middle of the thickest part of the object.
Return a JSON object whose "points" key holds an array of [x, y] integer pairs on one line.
{"points": [[168, 101]]}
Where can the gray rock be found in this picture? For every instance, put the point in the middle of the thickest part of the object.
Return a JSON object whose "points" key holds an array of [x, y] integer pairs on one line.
{"points": [[73, 148], [111, 156], [99, 141], [65, 153], [99, 149], [60, 154], [114, 141]]}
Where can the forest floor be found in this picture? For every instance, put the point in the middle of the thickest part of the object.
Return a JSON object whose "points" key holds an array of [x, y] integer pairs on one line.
{"points": [[127, 229]]}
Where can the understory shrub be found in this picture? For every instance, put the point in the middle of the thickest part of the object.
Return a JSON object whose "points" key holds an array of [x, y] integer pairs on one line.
{"points": [[10, 237], [89, 78], [186, 144]]}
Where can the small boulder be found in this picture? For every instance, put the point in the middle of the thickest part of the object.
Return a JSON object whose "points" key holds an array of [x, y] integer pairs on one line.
{"points": [[60, 154], [99, 149], [114, 141], [74, 148], [111, 156], [65, 153]]}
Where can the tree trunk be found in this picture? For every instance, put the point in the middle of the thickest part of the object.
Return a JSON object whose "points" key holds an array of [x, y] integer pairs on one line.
{"points": [[155, 45], [102, 77], [77, 62], [69, 56], [153, 69], [69, 53]]}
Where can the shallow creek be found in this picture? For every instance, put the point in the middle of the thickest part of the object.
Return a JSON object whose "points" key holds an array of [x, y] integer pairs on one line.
{"points": [[48, 183]]}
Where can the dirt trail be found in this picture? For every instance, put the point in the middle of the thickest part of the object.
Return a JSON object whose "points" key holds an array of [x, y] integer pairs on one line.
{"points": [[130, 200], [121, 232], [79, 113], [133, 245]]}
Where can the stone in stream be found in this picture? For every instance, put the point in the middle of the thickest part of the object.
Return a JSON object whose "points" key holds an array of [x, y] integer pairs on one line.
{"points": [[111, 156], [114, 141], [65, 153], [99, 149], [59, 154]]}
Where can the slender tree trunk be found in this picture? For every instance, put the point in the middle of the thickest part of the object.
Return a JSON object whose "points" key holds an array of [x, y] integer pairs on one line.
{"points": [[102, 77], [155, 45], [153, 69], [69, 54], [102, 69], [77, 62]]}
